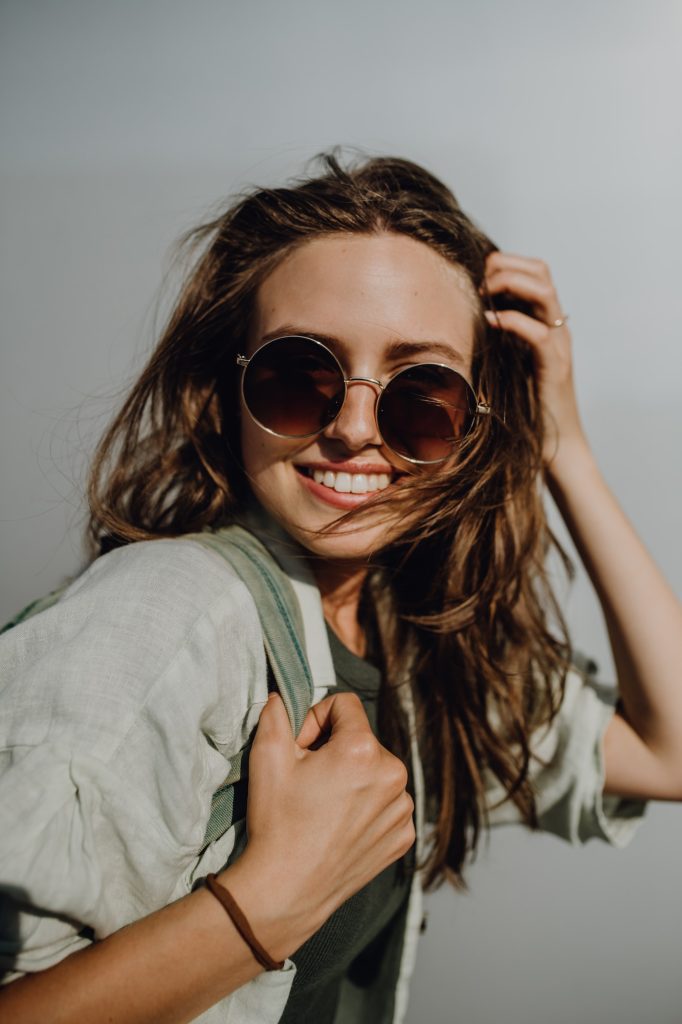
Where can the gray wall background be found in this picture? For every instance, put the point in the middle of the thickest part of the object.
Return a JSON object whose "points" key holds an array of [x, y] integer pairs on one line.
{"points": [[558, 128]]}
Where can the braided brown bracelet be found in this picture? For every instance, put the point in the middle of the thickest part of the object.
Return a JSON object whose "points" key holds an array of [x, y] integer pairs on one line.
{"points": [[241, 924]]}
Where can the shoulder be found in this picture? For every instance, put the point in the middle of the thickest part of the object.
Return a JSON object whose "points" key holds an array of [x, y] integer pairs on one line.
{"points": [[156, 589], [153, 624], [178, 574], [122, 706]]}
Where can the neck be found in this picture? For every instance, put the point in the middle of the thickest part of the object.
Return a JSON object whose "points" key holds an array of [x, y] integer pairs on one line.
{"points": [[341, 586]]}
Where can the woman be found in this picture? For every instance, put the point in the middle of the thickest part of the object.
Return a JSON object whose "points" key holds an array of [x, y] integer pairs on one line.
{"points": [[358, 377]]}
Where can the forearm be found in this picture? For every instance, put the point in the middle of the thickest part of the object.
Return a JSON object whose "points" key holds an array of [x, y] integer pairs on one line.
{"points": [[643, 615], [167, 968]]}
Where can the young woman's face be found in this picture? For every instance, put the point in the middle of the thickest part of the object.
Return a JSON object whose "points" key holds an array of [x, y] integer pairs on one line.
{"points": [[369, 293]]}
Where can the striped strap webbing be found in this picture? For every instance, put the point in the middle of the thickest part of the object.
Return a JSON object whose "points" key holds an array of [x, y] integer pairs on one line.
{"points": [[282, 626]]}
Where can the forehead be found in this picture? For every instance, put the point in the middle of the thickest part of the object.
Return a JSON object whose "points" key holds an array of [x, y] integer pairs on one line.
{"points": [[369, 291]]}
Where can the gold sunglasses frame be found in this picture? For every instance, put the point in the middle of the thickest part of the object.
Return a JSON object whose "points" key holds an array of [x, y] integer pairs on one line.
{"points": [[478, 406]]}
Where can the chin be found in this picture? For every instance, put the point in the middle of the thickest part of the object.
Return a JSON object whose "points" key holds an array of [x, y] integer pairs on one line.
{"points": [[349, 542], [358, 546]]}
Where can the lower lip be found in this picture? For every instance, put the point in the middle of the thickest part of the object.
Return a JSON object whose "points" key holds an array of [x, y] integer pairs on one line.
{"points": [[332, 497]]}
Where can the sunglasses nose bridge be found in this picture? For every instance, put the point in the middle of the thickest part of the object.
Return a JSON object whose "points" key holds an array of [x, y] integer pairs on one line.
{"points": [[364, 380], [371, 382], [355, 423]]}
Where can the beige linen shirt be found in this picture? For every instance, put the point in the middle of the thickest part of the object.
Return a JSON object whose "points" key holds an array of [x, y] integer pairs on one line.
{"points": [[119, 707]]}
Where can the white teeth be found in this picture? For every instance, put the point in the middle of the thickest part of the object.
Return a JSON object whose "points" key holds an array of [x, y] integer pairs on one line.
{"points": [[355, 483]]}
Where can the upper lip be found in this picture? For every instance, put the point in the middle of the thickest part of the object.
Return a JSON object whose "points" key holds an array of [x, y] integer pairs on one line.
{"points": [[350, 466]]}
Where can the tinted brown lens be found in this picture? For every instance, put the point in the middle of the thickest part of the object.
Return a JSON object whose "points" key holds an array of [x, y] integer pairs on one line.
{"points": [[425, 411], [293, 386]]}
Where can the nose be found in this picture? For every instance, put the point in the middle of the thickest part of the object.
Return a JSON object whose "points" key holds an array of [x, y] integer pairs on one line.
{"points": [[356, 425]]}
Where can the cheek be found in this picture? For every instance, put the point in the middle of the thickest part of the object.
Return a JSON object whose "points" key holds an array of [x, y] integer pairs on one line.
{"points": [[254, 447], [261, 451], [248, 441]]}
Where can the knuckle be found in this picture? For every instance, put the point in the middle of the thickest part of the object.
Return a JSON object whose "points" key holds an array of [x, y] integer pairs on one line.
{"points": [[349, 699], [398, 774], [406, 812], [363, 748], [407, 837]]}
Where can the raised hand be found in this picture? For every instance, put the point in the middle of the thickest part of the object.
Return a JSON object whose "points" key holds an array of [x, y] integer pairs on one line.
{"points": [[549, 338]]}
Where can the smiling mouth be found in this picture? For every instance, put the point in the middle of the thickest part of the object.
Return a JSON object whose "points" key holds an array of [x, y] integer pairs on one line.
{"points": [[347, 483]]}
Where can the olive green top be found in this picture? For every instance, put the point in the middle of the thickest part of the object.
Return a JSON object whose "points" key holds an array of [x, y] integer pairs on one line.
{"points": [[349, 949]]}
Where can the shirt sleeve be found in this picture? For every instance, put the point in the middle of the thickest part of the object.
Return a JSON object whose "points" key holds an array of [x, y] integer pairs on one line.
{"points": [[568, 779], [120, 706]]}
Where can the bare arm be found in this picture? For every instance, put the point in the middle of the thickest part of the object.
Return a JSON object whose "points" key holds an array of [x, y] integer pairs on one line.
{"points": [[643, 743], [169, 967], [322, 823]]}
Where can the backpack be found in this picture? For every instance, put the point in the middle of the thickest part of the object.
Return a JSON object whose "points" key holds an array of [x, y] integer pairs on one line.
{"points": [[282, 627]]}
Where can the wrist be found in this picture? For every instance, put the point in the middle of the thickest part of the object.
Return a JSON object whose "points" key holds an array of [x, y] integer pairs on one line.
{"points": [[264, 898]]}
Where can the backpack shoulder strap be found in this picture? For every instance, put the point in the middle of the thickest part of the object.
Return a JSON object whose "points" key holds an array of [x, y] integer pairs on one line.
{"points": [[282, 627], [39, 605], [278, 612]]}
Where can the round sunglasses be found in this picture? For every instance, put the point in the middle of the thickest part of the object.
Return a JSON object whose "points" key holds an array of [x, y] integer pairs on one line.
{"points": [[295, 387]]}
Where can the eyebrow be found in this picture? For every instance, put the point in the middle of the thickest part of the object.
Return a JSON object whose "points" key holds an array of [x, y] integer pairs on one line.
{"points": [[395, 350]]}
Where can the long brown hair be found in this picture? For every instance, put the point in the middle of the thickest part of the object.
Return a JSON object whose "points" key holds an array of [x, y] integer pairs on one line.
{"points": [[463, 594]]}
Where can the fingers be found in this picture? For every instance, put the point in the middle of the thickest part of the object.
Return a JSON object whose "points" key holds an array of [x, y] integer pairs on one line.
{"points": [[522, 284], [528, 328], [274, 720], [530, 281], [527, 278], [313, 728], [513, 261], [395, 816], [337, 714]]}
